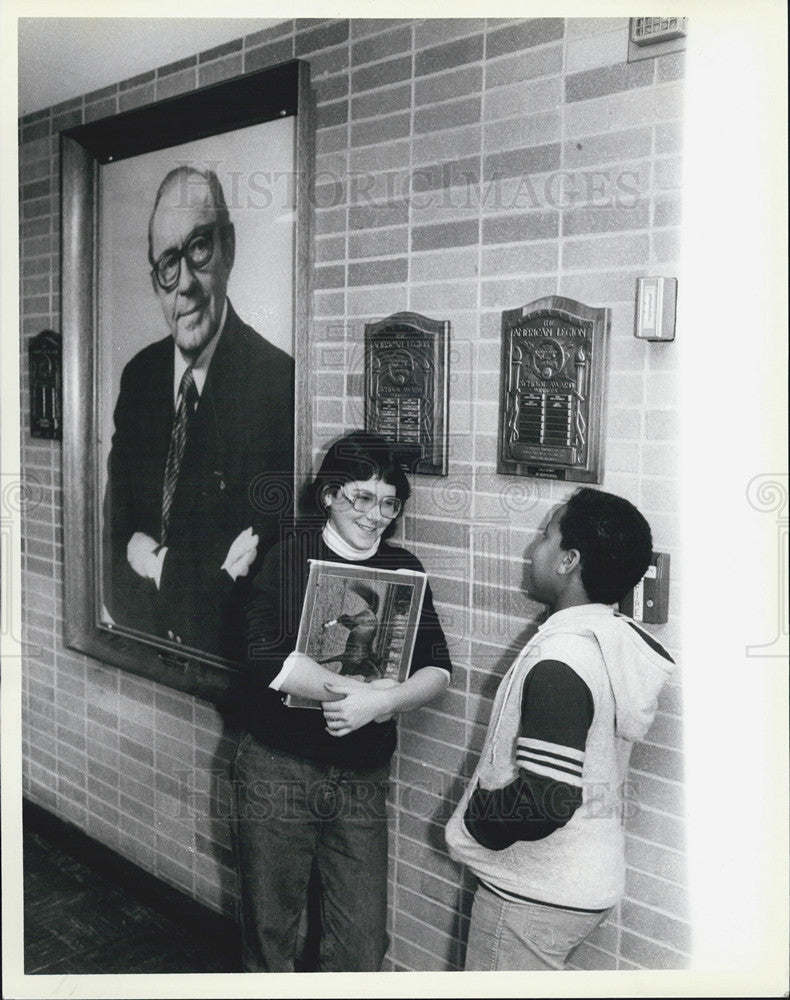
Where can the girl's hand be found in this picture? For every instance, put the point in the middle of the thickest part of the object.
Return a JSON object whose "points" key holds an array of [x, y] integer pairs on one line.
{"points": [[363, 703], [383, 684]]}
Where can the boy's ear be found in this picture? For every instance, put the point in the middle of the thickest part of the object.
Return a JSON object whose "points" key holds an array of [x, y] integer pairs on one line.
{"points": [[569, 561]]}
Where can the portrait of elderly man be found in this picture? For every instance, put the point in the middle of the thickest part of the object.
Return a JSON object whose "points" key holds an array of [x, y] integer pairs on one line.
{"points": [[203, 425]]}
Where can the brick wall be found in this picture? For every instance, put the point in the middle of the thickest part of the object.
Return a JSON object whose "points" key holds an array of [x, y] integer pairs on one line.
{"points": [[463, 167]]}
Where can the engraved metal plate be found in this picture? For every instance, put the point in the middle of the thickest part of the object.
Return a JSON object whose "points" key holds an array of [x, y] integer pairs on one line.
{"points": [[406, 388], [45, 364], [553, 368]]}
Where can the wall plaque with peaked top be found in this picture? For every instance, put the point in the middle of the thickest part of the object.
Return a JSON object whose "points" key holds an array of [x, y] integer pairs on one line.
{"points": [[551, 396], [406, 388], [46, 381]]}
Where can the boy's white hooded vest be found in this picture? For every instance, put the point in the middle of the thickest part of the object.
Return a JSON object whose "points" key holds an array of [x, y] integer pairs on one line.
{"points": [[582, 864]]}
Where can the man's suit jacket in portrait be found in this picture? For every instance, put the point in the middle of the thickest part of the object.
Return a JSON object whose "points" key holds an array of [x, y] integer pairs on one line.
{"points": [[236, 472]]}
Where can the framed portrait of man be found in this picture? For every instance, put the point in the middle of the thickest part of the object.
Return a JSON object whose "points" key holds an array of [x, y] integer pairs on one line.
{"points": [[185, 231]]}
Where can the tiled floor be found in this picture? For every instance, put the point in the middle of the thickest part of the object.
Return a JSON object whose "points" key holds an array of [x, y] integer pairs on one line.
{"points": [[81, 920]]}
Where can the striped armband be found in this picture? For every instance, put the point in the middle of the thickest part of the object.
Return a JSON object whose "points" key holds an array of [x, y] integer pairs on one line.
{"points": [[550, 760]]}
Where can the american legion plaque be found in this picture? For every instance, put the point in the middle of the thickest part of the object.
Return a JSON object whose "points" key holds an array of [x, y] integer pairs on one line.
{"points": [[551, 396], [406, 388]]}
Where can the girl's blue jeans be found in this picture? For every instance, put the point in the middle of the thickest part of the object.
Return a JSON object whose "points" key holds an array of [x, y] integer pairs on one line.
{"points": [[289, 813]]}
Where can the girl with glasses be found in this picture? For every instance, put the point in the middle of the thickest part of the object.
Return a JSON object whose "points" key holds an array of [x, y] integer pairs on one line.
{"points": [[310, 786]]}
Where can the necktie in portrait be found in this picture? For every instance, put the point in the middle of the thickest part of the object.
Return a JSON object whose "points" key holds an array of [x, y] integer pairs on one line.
{"points": [[187, 404]]}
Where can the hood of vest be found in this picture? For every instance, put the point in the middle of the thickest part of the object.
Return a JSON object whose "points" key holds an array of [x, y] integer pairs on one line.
{"points": [[636, 664]]}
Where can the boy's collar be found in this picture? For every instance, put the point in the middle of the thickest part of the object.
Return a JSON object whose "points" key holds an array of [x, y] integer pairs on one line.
{"points": [[578, 611]]}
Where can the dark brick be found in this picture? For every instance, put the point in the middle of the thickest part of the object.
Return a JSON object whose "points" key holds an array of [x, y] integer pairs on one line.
{"points": [[450, 115], [37, 131], [381, 102], [269, 34], [449, 56], [447, 234], [515, 162], [381, 46], [101, 109], [378, 216], [451, 173], [136, 98], [176, 67], [66, 121], [219, 69], [73, 104], [521, 227], [179, 707], [392, 71], [322, 37], [378, 272], [36, 189], [605, 80], [35, 116], [268, 55], [467, 80], [136, 751], [137, 81], [328, 115], [221, 50], [355, 385], [328, 62], [103, 94], [330, 277], [381, 130], [306, 23], [331, 88], [526, 35], [34, 209]]}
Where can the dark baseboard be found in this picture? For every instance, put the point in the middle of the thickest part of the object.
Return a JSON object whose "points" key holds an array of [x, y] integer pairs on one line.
{"points": [[129, 877]]}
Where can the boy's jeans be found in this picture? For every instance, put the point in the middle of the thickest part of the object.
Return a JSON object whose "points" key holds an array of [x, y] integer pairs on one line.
{"points": [[523, 936], [287, 812]]}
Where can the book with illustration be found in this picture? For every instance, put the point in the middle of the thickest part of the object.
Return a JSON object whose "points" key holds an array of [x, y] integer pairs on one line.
{"points": [[359, 621]]}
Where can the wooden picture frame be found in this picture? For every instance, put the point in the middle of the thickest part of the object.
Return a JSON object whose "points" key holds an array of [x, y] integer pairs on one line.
{"points": [[267, 119]]}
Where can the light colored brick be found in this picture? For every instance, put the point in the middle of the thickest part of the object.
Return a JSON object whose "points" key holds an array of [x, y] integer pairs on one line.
{"points": [[597, 251], [542, 61], [448, 263], [530, 97], [661, 425], [542, 128], [603, 48], [441, 299]]}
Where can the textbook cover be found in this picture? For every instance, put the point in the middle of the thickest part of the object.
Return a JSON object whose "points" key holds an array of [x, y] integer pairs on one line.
{"points": [[359, 621]]}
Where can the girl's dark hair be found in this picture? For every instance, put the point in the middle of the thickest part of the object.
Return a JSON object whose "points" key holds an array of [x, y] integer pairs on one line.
{"points": [[613, 540], [358, 456]]}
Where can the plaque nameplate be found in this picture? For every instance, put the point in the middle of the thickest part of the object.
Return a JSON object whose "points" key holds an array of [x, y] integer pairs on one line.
{"points": [[406, 388], [553, 368]]}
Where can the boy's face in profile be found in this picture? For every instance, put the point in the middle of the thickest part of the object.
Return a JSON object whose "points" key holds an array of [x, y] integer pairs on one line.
{"points": [[541, 579]]}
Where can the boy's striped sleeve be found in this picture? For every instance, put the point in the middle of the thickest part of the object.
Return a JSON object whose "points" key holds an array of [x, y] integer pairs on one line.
{"points": [[556, 713]]}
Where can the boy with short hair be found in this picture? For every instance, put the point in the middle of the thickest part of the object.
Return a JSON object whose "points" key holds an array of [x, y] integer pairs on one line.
{"points": [[540, 823]]}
